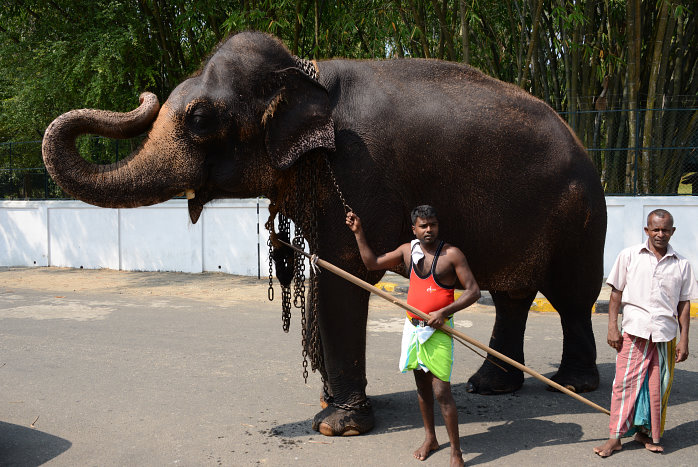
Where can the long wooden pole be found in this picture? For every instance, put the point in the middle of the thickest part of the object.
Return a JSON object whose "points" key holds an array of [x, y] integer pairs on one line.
{"points": [[448, 330]]}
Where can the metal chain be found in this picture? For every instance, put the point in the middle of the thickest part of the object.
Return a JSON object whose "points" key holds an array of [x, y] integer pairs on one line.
{"points": [[269, 225], [307, 67], [312, 347], [347, 208], [284, 232], [271, 241], [270, 290], [299, 270], [305, 215], [299, 266], [299, 291], [317, 356], [302, 206], [350, 407]]}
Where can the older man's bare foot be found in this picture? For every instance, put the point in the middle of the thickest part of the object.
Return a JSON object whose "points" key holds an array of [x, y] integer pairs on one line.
{"points": [[649, 444], [425, 449], [457, 459], [608, 448]]}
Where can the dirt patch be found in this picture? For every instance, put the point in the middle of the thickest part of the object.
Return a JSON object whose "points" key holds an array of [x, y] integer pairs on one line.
{"points": [[215, 288], [211, 287]]}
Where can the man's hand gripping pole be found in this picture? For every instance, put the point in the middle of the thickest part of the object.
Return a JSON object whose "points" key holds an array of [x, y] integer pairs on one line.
{"points": [[315, 261]]}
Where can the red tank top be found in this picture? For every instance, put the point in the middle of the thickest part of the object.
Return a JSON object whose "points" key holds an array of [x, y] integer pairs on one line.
{"points": [[425, 293]]}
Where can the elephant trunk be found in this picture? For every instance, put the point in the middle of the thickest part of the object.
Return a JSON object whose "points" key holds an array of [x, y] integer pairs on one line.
{"points": [[133, 181]]}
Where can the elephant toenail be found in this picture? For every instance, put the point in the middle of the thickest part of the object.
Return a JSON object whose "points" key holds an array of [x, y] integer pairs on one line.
{"points": [[326, 430]]}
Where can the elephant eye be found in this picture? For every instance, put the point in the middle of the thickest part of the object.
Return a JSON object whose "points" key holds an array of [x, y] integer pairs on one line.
{"points": [[199, 121], [202, 121]]}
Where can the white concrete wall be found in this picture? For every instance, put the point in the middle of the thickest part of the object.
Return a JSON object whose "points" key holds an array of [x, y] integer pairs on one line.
{"points": [[153, 238], [161, 237], [627, 218]]}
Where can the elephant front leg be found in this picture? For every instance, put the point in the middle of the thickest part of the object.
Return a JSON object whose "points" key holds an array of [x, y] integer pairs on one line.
{"points": [[507, 338], [343, 309]]}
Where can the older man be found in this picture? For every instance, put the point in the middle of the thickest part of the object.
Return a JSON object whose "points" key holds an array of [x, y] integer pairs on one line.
{"points": [[654, 284]]}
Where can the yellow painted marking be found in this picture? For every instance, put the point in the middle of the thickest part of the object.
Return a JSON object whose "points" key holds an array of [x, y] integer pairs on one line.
{"points": [[543, 305], [539, 304], [386, 286]]}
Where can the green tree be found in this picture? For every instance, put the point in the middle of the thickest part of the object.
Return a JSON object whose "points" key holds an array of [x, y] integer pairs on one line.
{"points": [[586, 58], [77, 53]]}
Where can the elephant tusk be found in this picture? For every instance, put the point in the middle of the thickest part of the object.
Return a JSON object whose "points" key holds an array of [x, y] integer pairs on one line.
{"points": [[191, 194]]}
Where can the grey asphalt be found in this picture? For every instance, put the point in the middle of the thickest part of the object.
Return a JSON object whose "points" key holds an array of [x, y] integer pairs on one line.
{"points": [[142, 375]]}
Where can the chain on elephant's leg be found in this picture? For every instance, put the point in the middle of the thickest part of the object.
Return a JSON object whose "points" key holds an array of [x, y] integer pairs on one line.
{"points": [[337, 420], [342, 317], [346, 410]]}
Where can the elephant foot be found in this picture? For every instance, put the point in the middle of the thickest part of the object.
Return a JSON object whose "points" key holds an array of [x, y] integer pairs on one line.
{"points": [[337, 420], [490, 380], [576, 380]]}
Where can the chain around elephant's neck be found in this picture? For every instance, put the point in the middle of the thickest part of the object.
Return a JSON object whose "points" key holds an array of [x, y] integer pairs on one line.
{"points": [[309, 67], [304, 211]]}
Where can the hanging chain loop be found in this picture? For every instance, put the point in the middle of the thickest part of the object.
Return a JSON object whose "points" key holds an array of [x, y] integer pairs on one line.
{"points": [[301, 204], [347, 208]]}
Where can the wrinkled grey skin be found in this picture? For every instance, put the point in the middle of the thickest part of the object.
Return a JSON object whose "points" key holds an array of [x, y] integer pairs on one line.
{"points": [[514, 188]]}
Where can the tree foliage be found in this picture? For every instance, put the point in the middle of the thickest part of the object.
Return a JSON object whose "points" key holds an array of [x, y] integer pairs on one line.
{"points": [[586, 58]]}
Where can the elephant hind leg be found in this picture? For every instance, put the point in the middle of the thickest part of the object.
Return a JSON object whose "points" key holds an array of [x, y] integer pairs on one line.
{"points": [[573, 281], [572, 290], [507, 338], [577, 371]]}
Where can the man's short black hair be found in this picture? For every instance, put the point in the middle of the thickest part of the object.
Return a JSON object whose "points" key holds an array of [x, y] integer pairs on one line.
{"points": [[661, 213], [424, 211]]}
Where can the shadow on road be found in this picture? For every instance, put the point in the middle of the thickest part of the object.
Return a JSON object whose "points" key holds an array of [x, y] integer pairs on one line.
{"points": [[518, 435], [517, 417], [23, 446], [680, 437]]}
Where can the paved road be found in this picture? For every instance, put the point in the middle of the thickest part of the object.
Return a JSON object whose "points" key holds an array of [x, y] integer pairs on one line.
{"points": [[133, 372]]}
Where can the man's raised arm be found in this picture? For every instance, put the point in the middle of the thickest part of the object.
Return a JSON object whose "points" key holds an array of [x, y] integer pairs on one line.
{"points": [[371, 261]]}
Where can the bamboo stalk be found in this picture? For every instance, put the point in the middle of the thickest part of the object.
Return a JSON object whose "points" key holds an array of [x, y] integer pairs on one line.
{"points": [[448, 330]]}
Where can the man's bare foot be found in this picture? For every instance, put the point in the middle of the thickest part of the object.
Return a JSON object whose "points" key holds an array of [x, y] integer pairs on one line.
{"points": [[649, 444], [608, 448], [425, 449], [457, 459]]}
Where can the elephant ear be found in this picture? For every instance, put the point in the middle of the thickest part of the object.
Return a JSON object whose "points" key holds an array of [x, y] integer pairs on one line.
{"points": [[297, 119]]}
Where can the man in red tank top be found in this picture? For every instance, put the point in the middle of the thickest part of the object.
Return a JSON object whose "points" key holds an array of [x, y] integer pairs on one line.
{"points": [[435, 269]]}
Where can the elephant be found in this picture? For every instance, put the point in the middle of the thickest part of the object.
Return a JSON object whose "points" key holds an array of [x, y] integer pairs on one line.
{"points": [[514, 188]]}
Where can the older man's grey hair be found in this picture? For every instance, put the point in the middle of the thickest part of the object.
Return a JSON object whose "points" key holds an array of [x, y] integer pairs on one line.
{"points": [[661, 213]]}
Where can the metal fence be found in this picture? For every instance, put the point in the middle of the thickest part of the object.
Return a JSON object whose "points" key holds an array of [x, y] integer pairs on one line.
{"points": [[643, 152], [22, 171]]}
